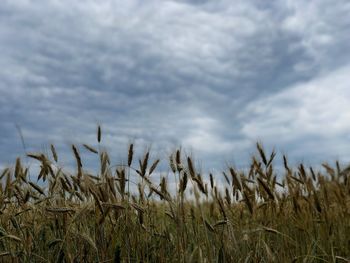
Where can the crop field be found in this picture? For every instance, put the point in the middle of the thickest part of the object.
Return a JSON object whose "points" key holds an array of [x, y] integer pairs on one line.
{"points": [[122, 214]]}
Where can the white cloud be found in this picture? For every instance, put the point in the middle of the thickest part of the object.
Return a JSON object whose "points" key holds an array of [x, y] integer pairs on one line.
{"points": [[203, 138], [317, 111], [321, 26]]}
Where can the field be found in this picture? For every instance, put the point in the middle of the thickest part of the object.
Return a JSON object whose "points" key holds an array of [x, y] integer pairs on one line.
{"points": [[122, 215]]}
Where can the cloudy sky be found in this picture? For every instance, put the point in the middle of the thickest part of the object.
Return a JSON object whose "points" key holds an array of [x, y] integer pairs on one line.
{"points": [[211, 76]]}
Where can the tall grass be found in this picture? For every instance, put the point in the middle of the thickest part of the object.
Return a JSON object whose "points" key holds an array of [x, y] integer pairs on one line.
{"points": [[301, 215]]}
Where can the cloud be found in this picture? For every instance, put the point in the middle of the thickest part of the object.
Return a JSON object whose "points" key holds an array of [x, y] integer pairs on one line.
{"points": [[314, 113], [193, 73], [322, 28]]}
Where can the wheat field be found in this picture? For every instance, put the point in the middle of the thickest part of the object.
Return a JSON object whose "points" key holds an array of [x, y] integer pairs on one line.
{"points": [[122, 214]]}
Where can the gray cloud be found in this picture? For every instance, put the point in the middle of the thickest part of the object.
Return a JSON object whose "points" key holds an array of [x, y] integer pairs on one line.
{"points": [[210, 76]]}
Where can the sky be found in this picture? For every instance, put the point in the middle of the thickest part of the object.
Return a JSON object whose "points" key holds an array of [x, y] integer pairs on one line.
{"points": [[211, 77]]}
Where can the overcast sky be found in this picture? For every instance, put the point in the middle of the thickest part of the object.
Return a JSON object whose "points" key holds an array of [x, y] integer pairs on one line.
{"points": [[211, 76]]}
